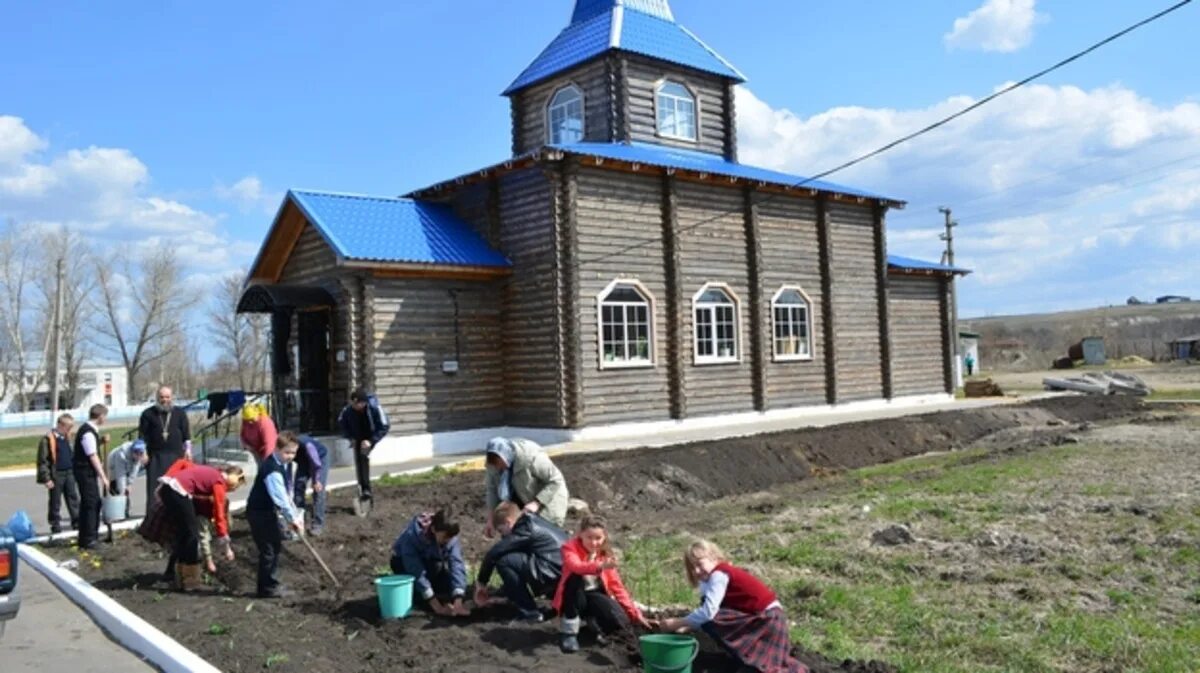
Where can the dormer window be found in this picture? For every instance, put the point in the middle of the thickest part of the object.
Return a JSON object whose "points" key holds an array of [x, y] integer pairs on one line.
{"points": [[676, 111], [565, 116]]}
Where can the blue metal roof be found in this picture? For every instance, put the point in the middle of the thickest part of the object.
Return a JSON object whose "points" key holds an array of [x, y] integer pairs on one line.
{"points": [[668, 157], [910, 264], [644, 27], [386, 229]]}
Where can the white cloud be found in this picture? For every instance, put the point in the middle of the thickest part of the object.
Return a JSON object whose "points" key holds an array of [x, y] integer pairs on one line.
{"points": [[250, 195], [1046, 182], [997, 25]]}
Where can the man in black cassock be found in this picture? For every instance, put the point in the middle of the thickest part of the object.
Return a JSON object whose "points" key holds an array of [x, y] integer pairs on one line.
{"points": [[168, 436]]}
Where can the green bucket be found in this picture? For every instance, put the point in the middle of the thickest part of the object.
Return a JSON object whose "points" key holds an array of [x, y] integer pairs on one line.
{"points": [[665, 653], [395, 595]]}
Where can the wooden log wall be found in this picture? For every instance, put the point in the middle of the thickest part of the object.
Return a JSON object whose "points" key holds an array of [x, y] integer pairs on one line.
{"points": [[616, 211], [715, 251], [414, 333], [915, 308], [791, 256], [642, 78], [530, 334], [855, 302], [531, 105], [312, 262]]}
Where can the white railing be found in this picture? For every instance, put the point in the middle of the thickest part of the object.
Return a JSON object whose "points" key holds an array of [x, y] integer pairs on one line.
{"points": [[45, 419]]}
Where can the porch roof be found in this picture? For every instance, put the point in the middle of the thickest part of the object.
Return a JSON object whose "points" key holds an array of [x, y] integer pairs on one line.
{"points": [[384, 231], [910, 265]]}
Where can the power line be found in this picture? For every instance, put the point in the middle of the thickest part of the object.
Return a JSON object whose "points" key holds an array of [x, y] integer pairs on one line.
{"points": [[915, 134]]}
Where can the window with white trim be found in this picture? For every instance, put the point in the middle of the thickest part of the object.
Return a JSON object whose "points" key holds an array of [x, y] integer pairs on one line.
{"points": [[792, 313], [626, 334], [676, 110], [565, 116], [716, 325]]}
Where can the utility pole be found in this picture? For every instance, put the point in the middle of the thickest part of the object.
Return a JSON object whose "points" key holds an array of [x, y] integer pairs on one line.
{"points": [[56, 335], [948, 260]]}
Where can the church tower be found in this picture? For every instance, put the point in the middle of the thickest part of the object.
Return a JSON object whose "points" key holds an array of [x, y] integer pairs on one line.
{"points": [[623, 71]]}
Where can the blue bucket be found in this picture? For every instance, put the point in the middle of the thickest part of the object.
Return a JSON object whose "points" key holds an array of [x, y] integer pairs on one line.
{"points": [[395, 595]]}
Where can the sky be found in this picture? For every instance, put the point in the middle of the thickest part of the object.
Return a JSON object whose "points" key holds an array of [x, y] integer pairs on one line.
{"points": [[135, 122]]}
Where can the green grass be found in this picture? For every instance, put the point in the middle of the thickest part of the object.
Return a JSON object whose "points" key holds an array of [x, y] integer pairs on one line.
{"points": [[22, 451], [652, 567], [848, 599], [435, 474], [1176, 394]]}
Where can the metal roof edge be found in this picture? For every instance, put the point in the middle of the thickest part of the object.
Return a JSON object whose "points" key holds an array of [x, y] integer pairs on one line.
{"points": [[740, 76]]}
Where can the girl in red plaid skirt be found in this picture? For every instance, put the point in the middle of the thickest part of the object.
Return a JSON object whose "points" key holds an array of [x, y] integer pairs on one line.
{"points": [[737, 610]]}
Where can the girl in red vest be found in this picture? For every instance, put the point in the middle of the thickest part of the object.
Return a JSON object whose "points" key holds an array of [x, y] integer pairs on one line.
{"points": [[590, 586], [738, 611]]}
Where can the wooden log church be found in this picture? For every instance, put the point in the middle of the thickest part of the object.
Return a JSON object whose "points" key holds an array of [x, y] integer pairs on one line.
{"points": [[621, 272]]}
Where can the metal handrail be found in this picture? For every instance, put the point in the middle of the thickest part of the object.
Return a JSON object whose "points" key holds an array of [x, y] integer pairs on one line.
{"points": [[131, 434]]}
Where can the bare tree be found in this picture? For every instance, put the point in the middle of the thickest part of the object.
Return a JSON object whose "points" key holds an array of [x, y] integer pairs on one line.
{"points": [[240, 336], [143, 311], [24, 369], [79, 285]]}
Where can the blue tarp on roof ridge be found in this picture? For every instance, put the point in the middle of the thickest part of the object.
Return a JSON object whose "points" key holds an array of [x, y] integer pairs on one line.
{"points": [[909, 263], [644, 27], [388, 229], [669, 157]]}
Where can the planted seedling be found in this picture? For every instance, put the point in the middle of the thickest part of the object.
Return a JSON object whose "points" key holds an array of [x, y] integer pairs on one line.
{"points": [[217, 629], [276, 660]]}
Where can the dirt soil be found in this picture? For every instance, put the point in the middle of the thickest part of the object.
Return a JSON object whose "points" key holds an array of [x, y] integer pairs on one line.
{"points": [[641, 491]]}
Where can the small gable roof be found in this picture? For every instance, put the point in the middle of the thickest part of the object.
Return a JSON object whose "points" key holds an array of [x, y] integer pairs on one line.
{"points": [[910, 265], [381, 229], [644, 27]]}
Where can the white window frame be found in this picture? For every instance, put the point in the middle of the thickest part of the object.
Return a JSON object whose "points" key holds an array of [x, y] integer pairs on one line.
{"points": [[808, 323], [641, 289], [717, 358], [551, 106], [695, 101]]}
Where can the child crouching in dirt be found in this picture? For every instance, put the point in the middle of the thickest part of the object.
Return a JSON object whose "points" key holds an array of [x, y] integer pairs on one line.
{"points": [[738, 611], [428, 550], [591, 587], [528, 558], [268, 495]]}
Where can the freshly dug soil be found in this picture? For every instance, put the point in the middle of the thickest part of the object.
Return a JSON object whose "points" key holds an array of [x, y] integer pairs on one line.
{"points": [[319, 629]]}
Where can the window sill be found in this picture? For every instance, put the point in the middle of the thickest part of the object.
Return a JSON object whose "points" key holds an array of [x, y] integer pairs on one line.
{"points": [[701, 362], [792, 358], [627, 365]]}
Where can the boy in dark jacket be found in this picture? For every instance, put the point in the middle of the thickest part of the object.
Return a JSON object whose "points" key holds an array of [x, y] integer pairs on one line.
{"points": [[312, 464], [528, 558], [428, 549], [364, 423], [54, 471]]}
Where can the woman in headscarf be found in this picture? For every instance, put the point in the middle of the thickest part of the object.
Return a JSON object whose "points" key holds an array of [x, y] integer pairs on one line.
{"points": [[258, 431], [520, 472]]}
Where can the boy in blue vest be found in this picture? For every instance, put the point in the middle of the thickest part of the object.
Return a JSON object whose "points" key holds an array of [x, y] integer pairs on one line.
{"points": [[54, 471], [269, 498], [312, 463]]}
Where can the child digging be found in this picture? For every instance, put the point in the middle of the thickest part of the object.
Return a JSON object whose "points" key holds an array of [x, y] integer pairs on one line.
{"points": [[738, 611], [591, 587], [270, 494], [528, 558], [428, 550]]}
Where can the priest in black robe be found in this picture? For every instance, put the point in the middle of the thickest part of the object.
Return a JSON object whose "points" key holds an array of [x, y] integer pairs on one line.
{"points": [[168, 436]]}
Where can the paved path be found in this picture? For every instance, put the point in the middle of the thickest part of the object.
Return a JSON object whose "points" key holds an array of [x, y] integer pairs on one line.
{"points": [[52, 635]]}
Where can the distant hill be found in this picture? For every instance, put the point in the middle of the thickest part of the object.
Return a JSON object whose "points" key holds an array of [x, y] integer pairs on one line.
{"points": [[1024, 342]]}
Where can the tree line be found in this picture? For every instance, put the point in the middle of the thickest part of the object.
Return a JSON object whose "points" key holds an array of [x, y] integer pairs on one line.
{"points": [[132, 305]]}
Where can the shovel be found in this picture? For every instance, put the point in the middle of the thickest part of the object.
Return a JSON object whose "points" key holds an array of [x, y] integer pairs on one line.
{"points": [[336, 584]]}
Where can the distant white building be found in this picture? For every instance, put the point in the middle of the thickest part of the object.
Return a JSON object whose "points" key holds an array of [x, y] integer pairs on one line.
{"points": [[99, 383]]}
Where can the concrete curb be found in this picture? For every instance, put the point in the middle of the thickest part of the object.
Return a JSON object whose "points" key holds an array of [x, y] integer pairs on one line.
{"points": [[18, 472], [130, 631]]}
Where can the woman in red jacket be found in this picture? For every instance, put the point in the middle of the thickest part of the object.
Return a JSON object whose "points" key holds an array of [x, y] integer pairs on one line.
{"points": [[591, 587], [181, 489]]}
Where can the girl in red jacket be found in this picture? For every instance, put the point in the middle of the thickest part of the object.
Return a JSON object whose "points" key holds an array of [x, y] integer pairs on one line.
{"points": [[591, 587], [740, 612]]}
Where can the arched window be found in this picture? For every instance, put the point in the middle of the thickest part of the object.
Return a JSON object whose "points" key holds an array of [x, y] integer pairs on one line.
{"points": [[792, 313], [716, 333], [676, 111], [565, 116], [626, 327]]}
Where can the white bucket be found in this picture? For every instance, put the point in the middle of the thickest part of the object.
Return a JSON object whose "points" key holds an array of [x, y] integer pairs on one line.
{"points": [[114, 508], [343, 453]]}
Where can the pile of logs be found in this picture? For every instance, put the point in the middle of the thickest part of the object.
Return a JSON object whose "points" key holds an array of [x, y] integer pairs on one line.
{"points": [[984, 388]]}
